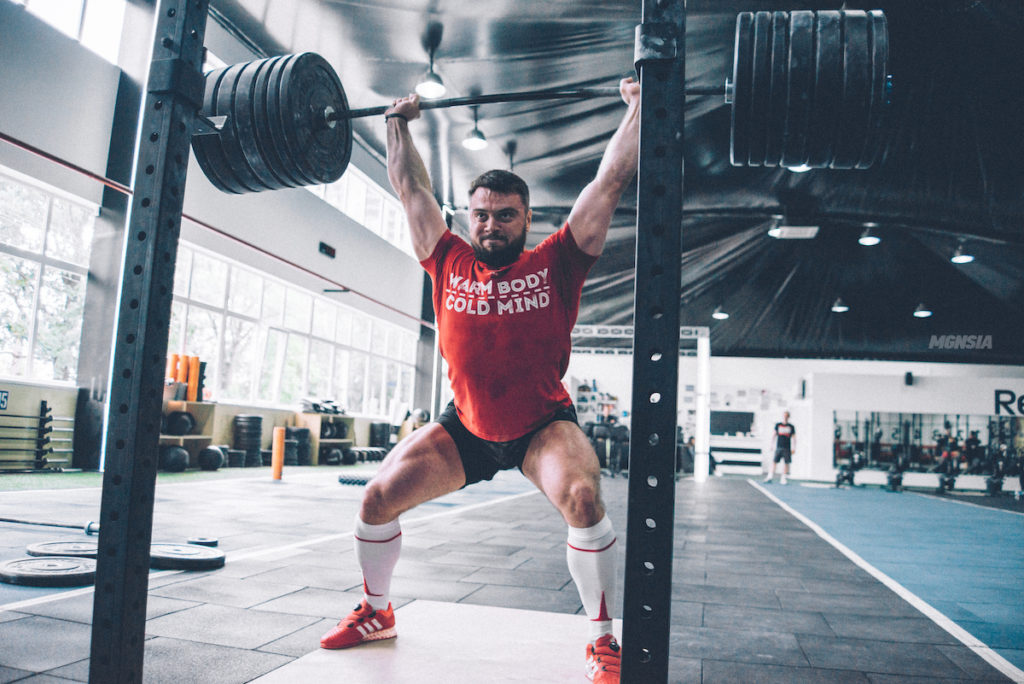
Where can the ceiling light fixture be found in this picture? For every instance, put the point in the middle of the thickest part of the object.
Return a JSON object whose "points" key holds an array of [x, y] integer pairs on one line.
{"points": [[868, 237], [431, 86], [922, 311], [475, 139], [961, 255], [802, 168], [840, 306], [719, 315]]}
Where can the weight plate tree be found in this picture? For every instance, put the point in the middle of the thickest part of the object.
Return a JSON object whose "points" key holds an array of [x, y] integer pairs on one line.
{"points": [[807, 89]]}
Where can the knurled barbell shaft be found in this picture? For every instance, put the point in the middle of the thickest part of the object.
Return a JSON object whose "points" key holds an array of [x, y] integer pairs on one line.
{"points": [[520, 96]]}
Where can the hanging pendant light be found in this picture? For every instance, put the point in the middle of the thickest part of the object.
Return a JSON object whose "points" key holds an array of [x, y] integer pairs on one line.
{"points": [[475, 139], [431, 86]]}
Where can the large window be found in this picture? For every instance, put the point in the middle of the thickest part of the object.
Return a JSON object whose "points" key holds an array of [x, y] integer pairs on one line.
{"points": [[96, 24], [367, 203], [268, 342], [45, 240]]}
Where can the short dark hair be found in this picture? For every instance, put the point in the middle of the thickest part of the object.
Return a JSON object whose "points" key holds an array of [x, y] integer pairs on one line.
{"points": [[505, 182]]}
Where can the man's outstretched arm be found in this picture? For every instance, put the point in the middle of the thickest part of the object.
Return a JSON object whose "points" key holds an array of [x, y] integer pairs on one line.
{"points": [[409, 178], [591, 215]]}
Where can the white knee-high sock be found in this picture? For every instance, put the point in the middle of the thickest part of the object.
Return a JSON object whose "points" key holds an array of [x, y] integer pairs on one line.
{"points": [[377, 550], [592, 557]]}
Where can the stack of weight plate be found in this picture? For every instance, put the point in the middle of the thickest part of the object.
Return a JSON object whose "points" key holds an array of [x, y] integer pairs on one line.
{"points": [[380, 434], [809, 88], [236, 458], [248, 437], [304, 454], [291, 452], [276, 134]]}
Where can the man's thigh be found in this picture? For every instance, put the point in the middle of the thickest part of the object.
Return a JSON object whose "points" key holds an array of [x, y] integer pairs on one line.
{"points": [[423, 466], [559, 460]]}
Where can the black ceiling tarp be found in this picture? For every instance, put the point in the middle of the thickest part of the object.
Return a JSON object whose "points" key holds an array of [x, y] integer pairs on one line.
{"points": [[950, 168]]}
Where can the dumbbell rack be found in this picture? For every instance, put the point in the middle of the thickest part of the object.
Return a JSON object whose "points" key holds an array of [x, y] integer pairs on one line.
{"points": [[325, 429], [32, 443]]}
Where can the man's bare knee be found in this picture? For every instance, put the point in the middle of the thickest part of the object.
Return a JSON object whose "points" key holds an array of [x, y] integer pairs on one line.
{"points": [[375, 509], [581, 503]]}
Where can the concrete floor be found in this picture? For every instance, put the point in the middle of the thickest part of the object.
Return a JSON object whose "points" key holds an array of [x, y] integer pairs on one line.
{"points": [[758, 595]]}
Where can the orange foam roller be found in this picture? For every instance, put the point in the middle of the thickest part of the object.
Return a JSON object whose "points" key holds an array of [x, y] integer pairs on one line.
{"points": [[277, 453], [172, 367], [183, 364], [193, 379]]}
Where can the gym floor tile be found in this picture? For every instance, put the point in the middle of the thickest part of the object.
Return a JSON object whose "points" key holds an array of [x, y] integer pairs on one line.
{"points": [[877, 678], [15, 593], [301, 642], [226, 591], [314, 602], [729, 672], [8, 615], [969, 661], [434, 590], [79, 608], [736, 596], [225, 626], [736, 580], [885, 657], [520, 578], [441, 643], [343, 555], [425, 570], [173, 660], [478, 559], [313, 576], [686, 614], [908, 629], [564, 601], [721, 616], [862, 587], [736, 645], [76, 672], [551, 563], [37, 644], [10, 674], [890, 604], [683, 670], [46, 679], [495, 550]]}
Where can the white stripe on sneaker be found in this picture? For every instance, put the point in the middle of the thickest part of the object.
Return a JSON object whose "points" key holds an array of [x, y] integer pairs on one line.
{"points": [[362, 630], [377, 624]]}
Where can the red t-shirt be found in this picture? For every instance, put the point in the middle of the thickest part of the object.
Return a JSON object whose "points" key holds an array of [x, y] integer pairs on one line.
{"points": [[506, 333]]}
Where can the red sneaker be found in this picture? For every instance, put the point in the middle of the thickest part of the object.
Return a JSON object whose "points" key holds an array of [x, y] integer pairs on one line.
{"points": [[603, 659], [362, 624]]}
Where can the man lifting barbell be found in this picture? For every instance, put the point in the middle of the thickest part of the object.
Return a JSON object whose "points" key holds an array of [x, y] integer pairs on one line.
{"points": [[504, 320]]}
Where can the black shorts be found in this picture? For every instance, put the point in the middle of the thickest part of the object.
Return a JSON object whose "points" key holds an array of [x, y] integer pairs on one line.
{"points": [[783, 454], [481, 459]]}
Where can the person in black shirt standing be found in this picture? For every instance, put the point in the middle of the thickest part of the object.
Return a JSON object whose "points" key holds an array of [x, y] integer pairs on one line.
{"points": [[783, 445]]}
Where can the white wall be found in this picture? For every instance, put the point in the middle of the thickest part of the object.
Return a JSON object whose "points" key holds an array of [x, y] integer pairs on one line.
{"points": [[57, 96], [830, 385]]}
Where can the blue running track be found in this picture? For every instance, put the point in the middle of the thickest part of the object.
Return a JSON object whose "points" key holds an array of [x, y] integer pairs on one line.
{"points": [[965, 561]]}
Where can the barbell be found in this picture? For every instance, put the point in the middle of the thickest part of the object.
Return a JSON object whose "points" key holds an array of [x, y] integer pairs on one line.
{"points": [[808, 88]]}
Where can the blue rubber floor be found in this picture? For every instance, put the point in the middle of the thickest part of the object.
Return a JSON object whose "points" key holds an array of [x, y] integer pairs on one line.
{"points": [[967, 562]]}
